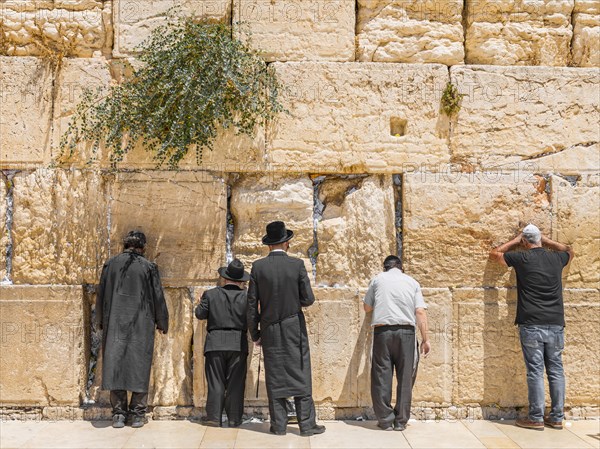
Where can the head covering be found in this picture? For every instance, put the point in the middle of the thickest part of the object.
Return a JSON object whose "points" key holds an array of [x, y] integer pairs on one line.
{"points": [[277, 233], [234, 271], [532, 233], [134, 239]]}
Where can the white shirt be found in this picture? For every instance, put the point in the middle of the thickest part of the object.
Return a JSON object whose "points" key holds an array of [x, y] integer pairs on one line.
{"points": [[395, 297]]}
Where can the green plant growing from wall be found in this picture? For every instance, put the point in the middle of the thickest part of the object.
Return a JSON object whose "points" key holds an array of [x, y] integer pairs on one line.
{"points": [[194, 78], [451, 100]]}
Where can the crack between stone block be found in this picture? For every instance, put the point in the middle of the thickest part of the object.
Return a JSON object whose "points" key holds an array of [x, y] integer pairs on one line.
{"points": [[95, 343], [570, 62], [397, 182], [318, 208], [8, 177], [465, 25], [230, 229]]}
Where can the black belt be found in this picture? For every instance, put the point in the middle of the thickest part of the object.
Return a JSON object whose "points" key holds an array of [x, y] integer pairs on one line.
{"points": [[393, 327]]}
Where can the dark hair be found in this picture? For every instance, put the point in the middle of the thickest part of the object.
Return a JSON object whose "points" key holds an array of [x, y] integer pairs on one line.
{"points": [[392, 262], [134, 239]]}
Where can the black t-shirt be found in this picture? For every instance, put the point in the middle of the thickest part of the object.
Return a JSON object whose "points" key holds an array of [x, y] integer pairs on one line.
{"points": [[539, 285]]}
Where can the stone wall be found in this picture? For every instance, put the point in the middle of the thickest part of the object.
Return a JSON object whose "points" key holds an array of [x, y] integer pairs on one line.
{"points": [[362, 165]]}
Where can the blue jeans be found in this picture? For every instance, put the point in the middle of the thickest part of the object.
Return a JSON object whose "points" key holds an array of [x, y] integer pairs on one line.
{"points": [[543, 346]]}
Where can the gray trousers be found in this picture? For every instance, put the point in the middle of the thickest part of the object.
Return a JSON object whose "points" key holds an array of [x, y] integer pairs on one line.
{"points": [[393, 349], [137, 406]]}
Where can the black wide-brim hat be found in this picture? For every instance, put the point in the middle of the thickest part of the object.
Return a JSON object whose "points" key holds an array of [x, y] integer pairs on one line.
{"points": [[277, 233], [234, 271]]}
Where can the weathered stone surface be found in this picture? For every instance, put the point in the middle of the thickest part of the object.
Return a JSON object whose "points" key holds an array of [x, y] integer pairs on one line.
{"points": [[586, 34], [435, 377], [518, 32], [134, 19], [287, 30], [451, 222], [582, 346], [258, 200], [25, 111], [4, 237], [357, 229], [359, 117], [417, 32], [489, 366], [80, 28], [59, 226], [75, 77], [512, 114], [332, 323], [42, 358], [183, 215], [171, 377], [576, 221]]}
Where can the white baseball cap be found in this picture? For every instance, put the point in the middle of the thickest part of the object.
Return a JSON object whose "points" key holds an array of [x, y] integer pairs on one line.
{"points": [[532, 233]]}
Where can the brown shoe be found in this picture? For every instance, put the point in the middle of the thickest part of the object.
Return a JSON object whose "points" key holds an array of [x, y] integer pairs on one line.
{"points": [[529, 424], [553, 424]]}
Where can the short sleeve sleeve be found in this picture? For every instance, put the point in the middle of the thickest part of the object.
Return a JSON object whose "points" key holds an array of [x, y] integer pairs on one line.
{"points": [[510, 258], [419, 301], [370, 296], [564, 257]]}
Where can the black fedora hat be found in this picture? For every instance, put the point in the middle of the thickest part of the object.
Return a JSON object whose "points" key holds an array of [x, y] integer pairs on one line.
{"points": [[277, 233], [234, 271]]}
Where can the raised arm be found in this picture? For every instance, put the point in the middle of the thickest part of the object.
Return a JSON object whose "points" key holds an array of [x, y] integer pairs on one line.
{"points": [[556, 246], [307, 297], [497, 254], [253, 315], [161, 313], [100, 298], [202, 308]]}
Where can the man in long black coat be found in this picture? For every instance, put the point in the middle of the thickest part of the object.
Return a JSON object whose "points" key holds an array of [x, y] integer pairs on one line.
{"points": [[279, 288], [129, 306], [226, 345]]}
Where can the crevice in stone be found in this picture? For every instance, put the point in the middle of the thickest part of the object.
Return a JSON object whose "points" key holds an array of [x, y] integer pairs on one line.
{"points": [[318, 208], [230, 229], [555, 150], [571, 179], [95, 341], [397, 181], [7, 178], [465, 26], [570, 61]]}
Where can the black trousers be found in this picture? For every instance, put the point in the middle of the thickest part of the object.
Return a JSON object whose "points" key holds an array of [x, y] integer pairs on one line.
{"points": [[393, 349], [305, 412], [226, 378], [137, 406]]}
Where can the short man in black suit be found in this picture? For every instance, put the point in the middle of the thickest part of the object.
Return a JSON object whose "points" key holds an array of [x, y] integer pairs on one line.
{"points": [[226, 345], [279, 288]]}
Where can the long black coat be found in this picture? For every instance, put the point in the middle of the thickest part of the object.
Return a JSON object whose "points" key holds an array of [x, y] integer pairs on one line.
{"points": [[279, 285], [129, 306]]}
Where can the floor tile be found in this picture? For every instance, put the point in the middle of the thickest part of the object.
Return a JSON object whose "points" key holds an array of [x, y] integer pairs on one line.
{"points": [[440, 434], [253, 435], [219, 438], [357, 435], [167, 434], [588, 430], [15, 434], [489, 434], [535, 439], [80, 434]]}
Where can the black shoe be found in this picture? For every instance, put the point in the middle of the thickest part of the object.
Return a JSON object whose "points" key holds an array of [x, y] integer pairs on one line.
{"points": [[312, 431], [209, 422], [138, 421], [399, 427], [276, 432], [118, 421], [385, 426], [235, 424]]}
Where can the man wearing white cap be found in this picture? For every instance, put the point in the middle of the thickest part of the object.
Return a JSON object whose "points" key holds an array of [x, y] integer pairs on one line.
{"points": [[541, 319]]}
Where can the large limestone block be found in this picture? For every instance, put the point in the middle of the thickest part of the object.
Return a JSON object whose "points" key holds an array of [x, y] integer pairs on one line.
{"points": [[417, 32], [356, 231], [576, 221], [359, 117], [585, 50], [513, 114], [487, 352], [76, 76], [434, 378], [82, 28], [59, 226], [25, 111], [171, 377], [42, 351], [288, 30], [259, 200], [335, 347], [134, 19], [452, 220], [581, 357], [183, 215], [518, 32]]}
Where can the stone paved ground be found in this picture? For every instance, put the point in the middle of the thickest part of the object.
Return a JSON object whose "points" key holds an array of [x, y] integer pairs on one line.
{"points": [[340, 434]]}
